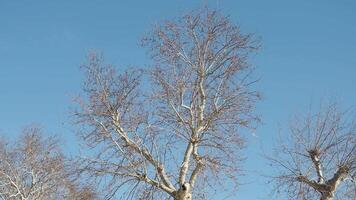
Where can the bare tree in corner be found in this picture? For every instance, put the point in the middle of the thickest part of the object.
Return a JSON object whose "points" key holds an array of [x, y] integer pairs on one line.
{"points": [[176, 132], [319, 159], [34, 169]]}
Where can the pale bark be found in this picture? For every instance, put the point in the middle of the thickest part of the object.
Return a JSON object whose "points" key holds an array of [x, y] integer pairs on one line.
{"points": [[315, 157], [319, 160], [184, 192], [187, 124], [34, 169]]}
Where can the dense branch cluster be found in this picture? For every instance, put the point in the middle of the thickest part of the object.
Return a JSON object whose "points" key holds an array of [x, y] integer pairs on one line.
{"points": [[35, 169], [184, 131], [319, 162], [174, 130]]}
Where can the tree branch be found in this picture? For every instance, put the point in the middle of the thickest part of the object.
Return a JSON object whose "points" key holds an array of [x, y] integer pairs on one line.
{"points": [[315, 157], [143, 151]]}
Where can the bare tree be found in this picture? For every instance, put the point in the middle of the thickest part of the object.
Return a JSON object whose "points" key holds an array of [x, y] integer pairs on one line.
{"points": [[318, 161], [180, 133], [34, 169]]}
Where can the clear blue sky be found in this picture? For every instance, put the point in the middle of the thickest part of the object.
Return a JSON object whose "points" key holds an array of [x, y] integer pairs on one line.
{"points": [[309, 53]]}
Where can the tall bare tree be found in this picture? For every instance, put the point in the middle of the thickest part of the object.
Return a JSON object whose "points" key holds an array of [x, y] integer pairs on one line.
{"points": [[34, 169], [180, 133], [318, 161]]}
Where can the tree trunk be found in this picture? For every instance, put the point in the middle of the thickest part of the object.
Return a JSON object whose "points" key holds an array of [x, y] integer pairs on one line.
{"points": [[184, 193], [327, 196], [188, 196]]}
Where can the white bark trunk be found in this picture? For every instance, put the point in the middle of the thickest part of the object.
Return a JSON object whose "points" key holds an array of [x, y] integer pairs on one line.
{"points": [[186, 196], [184, 193]]}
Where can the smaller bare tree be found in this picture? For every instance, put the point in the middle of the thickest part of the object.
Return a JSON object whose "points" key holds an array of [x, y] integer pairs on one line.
{"points": [[35, 169], [318, 161]]}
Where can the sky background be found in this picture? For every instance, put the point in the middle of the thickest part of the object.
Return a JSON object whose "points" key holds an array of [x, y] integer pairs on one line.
{"points": [[308, 54]]}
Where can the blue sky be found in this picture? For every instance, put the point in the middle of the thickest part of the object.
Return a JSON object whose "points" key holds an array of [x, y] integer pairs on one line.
{"points": [[308, 54]]}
